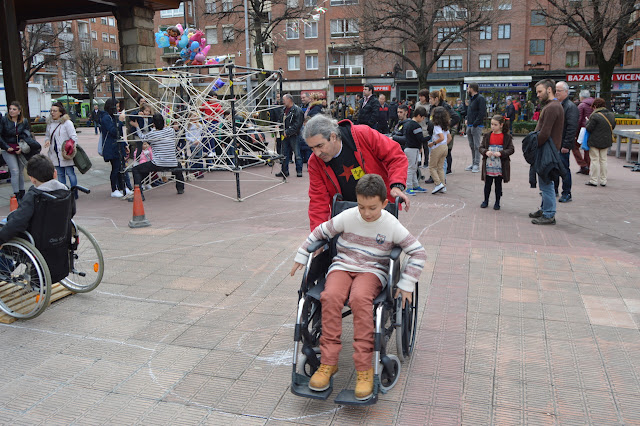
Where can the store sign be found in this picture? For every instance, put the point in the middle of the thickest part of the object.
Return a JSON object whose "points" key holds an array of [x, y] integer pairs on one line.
{"points": [[449, 89], [381, 88], [355, 89], [322, 94], [516, 85], [629, 76]]}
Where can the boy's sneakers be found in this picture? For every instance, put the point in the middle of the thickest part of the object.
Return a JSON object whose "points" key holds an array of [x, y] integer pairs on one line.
{"points": [[437, 189], [147, 187], [128, 192], [468, 168], [419, 189], [117, 194], [321, 379], [475, 169], [364, 384]]}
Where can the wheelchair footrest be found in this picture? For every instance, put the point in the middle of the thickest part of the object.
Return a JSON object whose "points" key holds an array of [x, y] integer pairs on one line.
{"points": [[300, 387], [348, 397]]}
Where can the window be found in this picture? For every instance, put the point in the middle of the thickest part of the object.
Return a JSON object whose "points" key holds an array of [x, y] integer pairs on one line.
{"points": [[94, 35], [590, 60], [310, 3], [504, 31], [212, 35], [73, 82], [572, 33], [573, 59], [485, 61], [103, 21], [93, 20], [293, 31], [96, 51], [628, 55], [112, 38], [112, 22], [447, 32], [503, 60], [310, 29], [292, 3], [344, 28], [293, 62], [343, 2], [210, 7], [85, 45], [114, 54], [99, 88], [227, 5], [227, 34], [451, 13], [536, 47], [504, 5], [485, 33], [106, 53], [312, 62], [105, 37], [450, 62], [537, 18]]}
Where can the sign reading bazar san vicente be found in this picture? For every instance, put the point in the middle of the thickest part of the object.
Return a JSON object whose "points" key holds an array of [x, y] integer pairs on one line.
{"points": [[596, 77]]}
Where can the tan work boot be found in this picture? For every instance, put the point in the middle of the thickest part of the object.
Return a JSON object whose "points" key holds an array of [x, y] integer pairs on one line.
{"points": [[321, 379], [364, 384]]}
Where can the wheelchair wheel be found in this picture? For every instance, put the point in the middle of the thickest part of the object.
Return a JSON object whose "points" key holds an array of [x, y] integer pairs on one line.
{"points": [[86, 262], [389, 372], [311, 322], [307, 367], [25, 282], [406, 333]]}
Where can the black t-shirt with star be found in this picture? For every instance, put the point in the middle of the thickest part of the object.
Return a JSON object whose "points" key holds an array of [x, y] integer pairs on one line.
{"points": [[346, 167]]}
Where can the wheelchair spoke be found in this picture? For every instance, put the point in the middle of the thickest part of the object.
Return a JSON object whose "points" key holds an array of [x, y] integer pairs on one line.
{"points": [[87, 263]]}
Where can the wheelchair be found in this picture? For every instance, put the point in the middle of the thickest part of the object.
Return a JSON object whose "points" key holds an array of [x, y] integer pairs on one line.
{"points": [[45, 254], [391, 322]]}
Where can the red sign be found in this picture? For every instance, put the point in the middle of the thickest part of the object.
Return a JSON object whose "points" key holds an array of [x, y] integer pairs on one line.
{"points": [[322, 94], [596, 77], [356, 89]]}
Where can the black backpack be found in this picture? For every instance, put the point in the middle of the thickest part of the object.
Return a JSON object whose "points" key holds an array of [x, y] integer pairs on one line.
{"points": [[530, 146]]}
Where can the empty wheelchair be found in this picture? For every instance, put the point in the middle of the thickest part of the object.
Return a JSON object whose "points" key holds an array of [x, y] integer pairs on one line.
{"points": [[392, 323], [47, 253]]}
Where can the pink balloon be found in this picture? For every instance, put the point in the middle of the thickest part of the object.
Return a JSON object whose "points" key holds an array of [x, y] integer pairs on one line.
{"points": [[205, 50]]}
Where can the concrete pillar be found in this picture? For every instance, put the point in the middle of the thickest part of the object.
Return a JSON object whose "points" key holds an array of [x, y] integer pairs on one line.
{"points": [[12, 68], [137, 45]]}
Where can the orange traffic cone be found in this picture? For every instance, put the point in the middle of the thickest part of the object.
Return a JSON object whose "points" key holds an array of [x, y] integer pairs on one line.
{"points": [[13, 204], [139, 220]]}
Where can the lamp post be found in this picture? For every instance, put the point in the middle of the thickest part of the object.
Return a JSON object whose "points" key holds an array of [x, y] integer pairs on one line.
{"points": [[344, 76]]}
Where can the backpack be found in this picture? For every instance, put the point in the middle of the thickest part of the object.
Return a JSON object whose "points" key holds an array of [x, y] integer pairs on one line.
{"points": [[530, 146]]}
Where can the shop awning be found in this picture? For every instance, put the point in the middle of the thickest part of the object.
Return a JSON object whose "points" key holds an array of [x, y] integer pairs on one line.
{"points": [[511, 82]]}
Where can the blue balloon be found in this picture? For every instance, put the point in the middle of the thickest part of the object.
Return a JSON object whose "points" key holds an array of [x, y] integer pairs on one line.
{"points": [[194, 46], [183, 42]]}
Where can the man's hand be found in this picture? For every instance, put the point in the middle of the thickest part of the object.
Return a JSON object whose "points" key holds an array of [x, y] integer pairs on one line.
{"points": [[296, 266], [407, 296], [564, 150], [396, 192]]}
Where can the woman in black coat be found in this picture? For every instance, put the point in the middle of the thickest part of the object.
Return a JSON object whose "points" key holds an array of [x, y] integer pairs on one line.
{"points": [[600, 127], [13, 129]]}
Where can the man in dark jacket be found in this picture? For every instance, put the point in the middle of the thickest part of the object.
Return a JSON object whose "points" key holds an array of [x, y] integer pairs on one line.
{"points": [[476, 114], [568, 137], [369, 107], [398, 133], [293, 120], [393, 113], [510, 113], [95, 116], [550, 126], [585, 109], [383, 115]]}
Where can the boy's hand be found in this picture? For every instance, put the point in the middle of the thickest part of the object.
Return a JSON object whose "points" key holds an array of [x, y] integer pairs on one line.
{"points": [[296, 266], [407, 296]]}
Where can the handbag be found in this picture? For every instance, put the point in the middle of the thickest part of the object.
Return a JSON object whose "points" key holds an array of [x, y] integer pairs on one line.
{"points": [[610, 127], [69, 148], [24, 146], [81, 160], [584, 145]]}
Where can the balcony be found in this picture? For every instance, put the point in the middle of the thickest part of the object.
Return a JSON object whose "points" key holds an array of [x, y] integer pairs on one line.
{"points": [[52, 89], [348, 71]]}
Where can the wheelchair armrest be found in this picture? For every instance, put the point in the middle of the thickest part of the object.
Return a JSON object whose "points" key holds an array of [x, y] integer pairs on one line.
{"points": [[395, 253], [317, 245]]}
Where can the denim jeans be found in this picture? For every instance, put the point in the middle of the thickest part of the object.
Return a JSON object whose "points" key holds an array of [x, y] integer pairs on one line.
{"points": [[288, 145], [63, 172], [412, 157], [474, 134], [548, 197], [566, 180]]}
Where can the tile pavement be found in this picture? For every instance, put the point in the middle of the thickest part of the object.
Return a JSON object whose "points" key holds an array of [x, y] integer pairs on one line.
{"points": [[193, 322]]}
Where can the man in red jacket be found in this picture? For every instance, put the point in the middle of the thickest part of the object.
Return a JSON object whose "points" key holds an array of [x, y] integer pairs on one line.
{"points": [[343, 153]]}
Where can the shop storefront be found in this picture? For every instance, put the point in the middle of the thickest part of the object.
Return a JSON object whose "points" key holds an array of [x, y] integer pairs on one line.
{"points": [[496, 89], [453, 92], [296, 88], [356, 89], [624, 90]]}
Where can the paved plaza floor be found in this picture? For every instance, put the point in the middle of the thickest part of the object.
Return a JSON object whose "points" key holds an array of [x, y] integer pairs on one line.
{"points": [[193, 322]]}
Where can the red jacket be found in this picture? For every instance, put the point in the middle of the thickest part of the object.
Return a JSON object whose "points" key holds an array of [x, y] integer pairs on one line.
{"points": [[375, 153]]}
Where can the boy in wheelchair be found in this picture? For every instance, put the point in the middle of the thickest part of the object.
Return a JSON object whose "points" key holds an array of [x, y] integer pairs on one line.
{"points": [[45, 211], [358, 273]]}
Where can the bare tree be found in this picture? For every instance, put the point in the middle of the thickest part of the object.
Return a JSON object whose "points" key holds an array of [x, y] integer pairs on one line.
{"points": [[606, 26], [41, 46], [90, 66], [419, 32]]}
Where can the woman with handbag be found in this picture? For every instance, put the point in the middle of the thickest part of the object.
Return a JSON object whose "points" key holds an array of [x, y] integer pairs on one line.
{"points": [[600, 127], [14, 130], [61, 139]]}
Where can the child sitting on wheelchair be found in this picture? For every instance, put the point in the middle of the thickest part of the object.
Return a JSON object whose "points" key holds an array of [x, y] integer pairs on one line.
{"points": [[50, 228], [358, 273]]}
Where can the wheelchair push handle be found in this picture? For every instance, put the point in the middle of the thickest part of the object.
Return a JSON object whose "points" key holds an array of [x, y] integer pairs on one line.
{"points": [[317, 245], [81, 189]]}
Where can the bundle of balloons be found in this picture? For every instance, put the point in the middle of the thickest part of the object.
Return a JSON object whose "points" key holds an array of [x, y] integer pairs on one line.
{"points": [[190, 41]]}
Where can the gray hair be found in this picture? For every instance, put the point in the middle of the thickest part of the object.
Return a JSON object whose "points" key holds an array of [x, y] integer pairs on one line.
{"points": [[564, 85], [322, 125], [585, 94], [287, 96]]}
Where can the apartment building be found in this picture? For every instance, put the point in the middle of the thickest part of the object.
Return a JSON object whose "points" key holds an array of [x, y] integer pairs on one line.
{"points": [[506, 57]]}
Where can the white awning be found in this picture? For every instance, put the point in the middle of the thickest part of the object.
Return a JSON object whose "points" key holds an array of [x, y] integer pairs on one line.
{"points": [[499, 79]]}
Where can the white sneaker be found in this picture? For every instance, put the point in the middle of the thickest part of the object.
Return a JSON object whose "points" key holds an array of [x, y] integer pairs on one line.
{"points": [[147, 187], [437, 189], [117, 194], [128, 191], [468, 168], [475, 169], [444, 190]]}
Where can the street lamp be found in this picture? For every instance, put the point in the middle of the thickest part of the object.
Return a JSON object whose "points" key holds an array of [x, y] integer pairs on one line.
{"points": [[344, 76]]}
